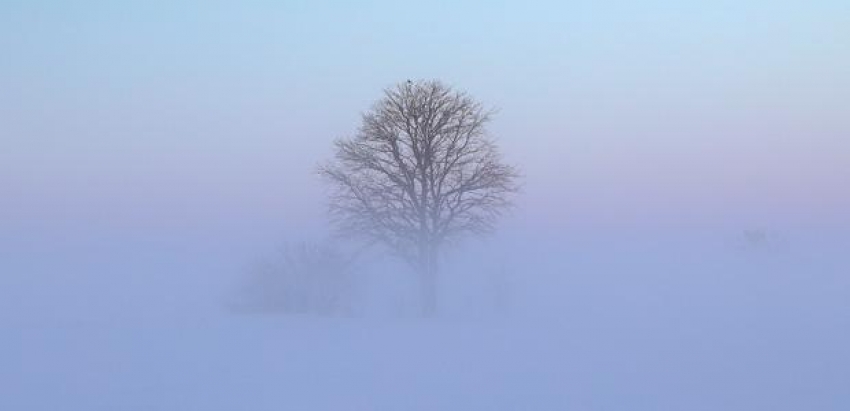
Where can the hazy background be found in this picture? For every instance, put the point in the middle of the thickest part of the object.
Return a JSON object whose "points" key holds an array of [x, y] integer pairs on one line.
{"points": [[150, 151]]}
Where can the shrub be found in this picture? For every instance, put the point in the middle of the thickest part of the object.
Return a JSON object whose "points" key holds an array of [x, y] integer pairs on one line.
{"points": [[304, 278]]}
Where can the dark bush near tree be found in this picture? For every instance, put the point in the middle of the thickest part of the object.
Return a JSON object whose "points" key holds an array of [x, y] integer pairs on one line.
{"points": [[300, 279]]}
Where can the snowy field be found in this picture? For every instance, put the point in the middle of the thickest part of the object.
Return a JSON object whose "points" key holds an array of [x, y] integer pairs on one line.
{"points": [[299, 364], [645, 330]]}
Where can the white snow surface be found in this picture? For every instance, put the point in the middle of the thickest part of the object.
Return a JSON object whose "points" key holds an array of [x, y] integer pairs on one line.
{"points": [[590, 328]]}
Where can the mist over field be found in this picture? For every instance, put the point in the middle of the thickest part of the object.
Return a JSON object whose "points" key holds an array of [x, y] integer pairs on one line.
{"points": [[586, 322], [679, 240]]}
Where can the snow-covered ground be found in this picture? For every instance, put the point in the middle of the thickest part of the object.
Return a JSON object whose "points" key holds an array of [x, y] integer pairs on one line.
{"points": [[302, 364], [612, 329]]}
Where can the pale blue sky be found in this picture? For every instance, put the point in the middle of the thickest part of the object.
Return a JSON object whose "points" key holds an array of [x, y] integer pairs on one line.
{"points": [[156, 114]]}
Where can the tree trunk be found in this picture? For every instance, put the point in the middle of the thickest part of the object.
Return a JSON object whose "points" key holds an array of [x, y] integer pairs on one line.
{"points": [[428, 281]]}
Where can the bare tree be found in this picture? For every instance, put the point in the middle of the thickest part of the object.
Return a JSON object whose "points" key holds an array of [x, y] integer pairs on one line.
{"points": [[421, 171]]}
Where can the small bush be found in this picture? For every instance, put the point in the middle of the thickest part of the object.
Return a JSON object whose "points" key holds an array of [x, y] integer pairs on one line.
{"points": [[301, 279]]}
